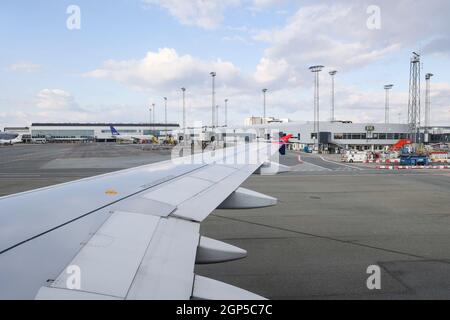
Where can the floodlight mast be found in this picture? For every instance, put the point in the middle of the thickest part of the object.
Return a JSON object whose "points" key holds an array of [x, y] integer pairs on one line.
{"points": [[316, 70], [428, 102], [213, 117], [264, 91], [332, 74], [387, 88]]}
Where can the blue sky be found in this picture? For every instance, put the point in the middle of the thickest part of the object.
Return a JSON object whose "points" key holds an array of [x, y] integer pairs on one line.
{"points": [[129, 54]]}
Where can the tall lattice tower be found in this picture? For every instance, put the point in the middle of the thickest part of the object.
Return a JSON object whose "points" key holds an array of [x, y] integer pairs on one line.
{"points": [[414, 98]]}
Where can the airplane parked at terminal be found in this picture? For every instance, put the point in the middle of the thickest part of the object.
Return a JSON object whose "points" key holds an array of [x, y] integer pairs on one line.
{"points": [[10, 138], [131, 138]]}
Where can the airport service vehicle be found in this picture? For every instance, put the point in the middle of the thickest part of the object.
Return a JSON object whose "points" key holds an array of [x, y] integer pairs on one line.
{"points": [[130, 234], [39, 140], [10, 138], [414, 160], [308, 149], [354, 156], [132, 138]]}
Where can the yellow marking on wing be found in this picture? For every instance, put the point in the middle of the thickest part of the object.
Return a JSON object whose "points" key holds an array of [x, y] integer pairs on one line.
{"points": [[111, 192]]}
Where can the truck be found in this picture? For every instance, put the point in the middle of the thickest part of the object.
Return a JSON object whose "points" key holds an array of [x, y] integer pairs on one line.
{"points": [[414, 160]]}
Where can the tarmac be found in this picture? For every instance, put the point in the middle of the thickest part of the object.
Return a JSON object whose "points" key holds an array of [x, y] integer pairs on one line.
{"points": [[332, 222]]}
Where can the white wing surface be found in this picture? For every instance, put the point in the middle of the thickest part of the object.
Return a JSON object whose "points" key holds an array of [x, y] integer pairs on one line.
{"points": [[132, 234]]}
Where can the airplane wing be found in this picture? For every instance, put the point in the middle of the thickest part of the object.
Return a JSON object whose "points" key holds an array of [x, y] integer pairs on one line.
{"points": [[131, 234]]}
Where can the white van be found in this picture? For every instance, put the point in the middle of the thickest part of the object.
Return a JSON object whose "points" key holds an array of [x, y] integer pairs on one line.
{"points": [[354, 156], [39, 140]]}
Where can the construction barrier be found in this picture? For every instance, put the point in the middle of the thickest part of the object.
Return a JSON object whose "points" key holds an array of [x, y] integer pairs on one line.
{"points": [[440, 161], [412, 167], [398, 161], [392, 160], [384, 161]]}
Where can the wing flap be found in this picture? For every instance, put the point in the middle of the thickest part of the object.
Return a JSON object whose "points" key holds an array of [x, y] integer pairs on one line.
{"points": [[167, 270], [132, 256], [110, 259], [209, 289], [47, 293]]}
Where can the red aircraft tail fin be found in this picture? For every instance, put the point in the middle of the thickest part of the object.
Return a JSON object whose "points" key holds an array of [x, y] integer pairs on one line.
{"points": [[286, 138]]}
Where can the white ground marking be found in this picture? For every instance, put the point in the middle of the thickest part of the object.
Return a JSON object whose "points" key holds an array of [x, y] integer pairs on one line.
{"points": [[315, 165]]}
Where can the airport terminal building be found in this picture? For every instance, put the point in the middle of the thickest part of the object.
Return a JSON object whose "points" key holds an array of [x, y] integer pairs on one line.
{"points": [[99, 132], [333, 135], [347, 135]]}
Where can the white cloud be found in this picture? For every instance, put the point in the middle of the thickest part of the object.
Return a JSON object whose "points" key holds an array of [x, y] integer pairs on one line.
{"points": [[266, 3], [24, 67], [165, 69], [269, 70], [440, 103], [237, 38], [334, 33], [206, 14], [55, 99]]}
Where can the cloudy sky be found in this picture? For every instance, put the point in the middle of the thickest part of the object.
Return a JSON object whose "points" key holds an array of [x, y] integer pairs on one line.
{"points": [[116, 58]]}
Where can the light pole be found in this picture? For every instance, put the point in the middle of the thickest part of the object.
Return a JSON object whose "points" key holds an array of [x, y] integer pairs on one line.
{"points": [[150, 118], [427, 102], [184, 113], [264, 105], [217, 115], [165, 115], [316, 70], [153, 105], [226, 112], [386, 107], [213, 75], [332, 74]]}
